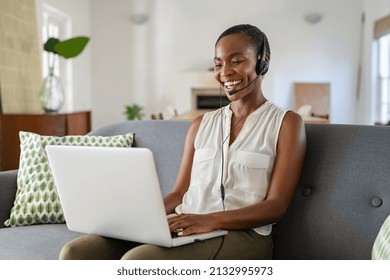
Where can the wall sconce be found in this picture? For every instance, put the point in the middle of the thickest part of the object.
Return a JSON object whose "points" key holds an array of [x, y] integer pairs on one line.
{"points": [[139, 18], [312, 18]]}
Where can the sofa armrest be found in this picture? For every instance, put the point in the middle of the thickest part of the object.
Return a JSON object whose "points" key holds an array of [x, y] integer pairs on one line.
{"points": [[8, 189]]}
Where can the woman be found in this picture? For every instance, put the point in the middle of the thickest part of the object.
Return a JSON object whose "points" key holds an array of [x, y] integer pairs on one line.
{"points": [[239, 169]]}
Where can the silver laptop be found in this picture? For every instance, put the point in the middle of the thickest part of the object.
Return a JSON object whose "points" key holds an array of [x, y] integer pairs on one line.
{"points": [[114, 192]]}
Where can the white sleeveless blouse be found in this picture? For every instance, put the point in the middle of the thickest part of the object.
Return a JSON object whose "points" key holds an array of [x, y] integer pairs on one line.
{"points": [[248, 161]]}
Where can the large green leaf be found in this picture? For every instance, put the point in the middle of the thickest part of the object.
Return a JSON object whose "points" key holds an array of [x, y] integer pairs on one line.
{"points": [[71, 47]]}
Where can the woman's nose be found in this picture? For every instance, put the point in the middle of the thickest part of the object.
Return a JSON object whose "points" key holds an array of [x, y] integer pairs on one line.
{"points": [[226, 71]]}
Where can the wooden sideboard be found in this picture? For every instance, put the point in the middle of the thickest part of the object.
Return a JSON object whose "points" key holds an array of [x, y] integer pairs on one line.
{"points": [[77, 123]]}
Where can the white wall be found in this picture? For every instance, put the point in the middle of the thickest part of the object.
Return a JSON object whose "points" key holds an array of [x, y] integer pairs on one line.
{"points": [[323, 52], [79, 11], [181, 41], [155, 64], [112, 65]]}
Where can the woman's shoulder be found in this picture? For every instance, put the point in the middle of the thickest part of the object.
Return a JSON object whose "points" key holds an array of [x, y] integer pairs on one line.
{"points": [[293, 125], [289, 113], [272, 106], [195, 123], [288, 118], [209, 117], [293, 118]]}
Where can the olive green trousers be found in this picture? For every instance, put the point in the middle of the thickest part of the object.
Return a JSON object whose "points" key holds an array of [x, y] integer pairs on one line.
{"points": [[243, 244]]}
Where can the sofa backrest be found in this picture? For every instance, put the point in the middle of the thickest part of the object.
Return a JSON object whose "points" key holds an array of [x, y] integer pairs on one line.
{"points": [[341, 200], [343, 195]]}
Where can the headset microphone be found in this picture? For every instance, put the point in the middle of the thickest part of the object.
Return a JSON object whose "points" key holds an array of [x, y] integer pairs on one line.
{"points": [[235, 91]]}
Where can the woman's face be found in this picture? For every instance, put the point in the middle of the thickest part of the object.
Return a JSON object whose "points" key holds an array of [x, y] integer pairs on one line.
{"points": [[234, 64]]}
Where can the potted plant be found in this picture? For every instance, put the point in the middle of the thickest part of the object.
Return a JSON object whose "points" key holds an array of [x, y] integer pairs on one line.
{"points": [[52, 94], [134, 112]]}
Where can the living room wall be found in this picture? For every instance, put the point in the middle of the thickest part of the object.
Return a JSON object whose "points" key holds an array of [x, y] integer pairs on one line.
{"points": [[301, 52], [20, 64], [156, 62], [179, 38]]}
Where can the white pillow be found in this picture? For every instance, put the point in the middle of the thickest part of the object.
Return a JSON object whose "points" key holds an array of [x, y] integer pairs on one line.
{"points": [[36, 199], [381, 248]]}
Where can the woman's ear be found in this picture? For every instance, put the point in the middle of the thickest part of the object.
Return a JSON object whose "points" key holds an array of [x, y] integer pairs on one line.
{"points": [[267, 57]]}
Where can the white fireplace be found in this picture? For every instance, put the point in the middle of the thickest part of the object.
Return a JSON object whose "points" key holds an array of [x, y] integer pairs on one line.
{"points": [[204, 99], [198, 93], [207, 98]]}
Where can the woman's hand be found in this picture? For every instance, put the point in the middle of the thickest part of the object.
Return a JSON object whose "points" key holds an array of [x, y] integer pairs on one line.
{"points": [[192, 223]]}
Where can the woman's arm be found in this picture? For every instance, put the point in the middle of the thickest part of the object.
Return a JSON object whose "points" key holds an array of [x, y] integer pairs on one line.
{"points": [[288, 164], [174, 198]]}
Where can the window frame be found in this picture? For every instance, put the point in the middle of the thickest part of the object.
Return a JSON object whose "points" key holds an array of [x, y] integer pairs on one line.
{"points": [[383, 79], [58, 24]]}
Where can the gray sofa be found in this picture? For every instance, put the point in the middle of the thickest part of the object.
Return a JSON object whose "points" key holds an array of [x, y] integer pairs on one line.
{"points": [[340, 203]]}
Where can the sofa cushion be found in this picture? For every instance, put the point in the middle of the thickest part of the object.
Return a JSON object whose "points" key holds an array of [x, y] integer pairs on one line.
{"points": [[37, 242], [36, 199]]}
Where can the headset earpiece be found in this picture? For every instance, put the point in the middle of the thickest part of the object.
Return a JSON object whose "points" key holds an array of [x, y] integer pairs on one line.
{"points": [[261, 67], [262, 64]]}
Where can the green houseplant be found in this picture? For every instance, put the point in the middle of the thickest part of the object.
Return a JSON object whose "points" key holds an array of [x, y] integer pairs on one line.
{"points": [[134, 112], [52, 95]]}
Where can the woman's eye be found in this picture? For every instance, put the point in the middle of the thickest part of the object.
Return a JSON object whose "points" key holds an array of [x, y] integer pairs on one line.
{"points": [[235, 62], [216, 66]]}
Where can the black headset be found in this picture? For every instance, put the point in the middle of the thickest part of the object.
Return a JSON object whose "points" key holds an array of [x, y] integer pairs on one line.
{"points": [[262, 64]]}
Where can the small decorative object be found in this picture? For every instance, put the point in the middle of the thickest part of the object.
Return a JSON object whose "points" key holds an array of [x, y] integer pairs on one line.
{"points": [[158, 116], [52, 94], [134, 112]]}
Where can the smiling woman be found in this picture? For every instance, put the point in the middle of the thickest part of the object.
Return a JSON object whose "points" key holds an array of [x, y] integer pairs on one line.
{"points": [[259, 49], [239, 169]]}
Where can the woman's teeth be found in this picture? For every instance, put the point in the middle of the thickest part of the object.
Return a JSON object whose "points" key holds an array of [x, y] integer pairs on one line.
{"points": [[231, 84]]}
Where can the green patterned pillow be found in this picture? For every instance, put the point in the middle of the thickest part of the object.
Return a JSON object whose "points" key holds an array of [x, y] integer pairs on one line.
{"points": [[36, 199], [381, 248]]}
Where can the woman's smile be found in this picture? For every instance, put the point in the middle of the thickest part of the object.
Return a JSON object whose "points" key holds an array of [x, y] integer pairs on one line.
{"points": [[230, 85]]}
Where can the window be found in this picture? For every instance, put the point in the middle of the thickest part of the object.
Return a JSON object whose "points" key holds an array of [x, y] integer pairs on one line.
{"points": [[384, 78], [381, 70], [57, 24]]}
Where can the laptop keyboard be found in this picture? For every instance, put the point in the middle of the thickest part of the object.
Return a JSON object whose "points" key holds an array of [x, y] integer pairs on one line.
{"points": [[174, 234]]}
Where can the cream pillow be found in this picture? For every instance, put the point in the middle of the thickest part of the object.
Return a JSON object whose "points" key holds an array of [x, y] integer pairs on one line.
{"points": [[305, 110], [381, 248], [36, 199]]}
